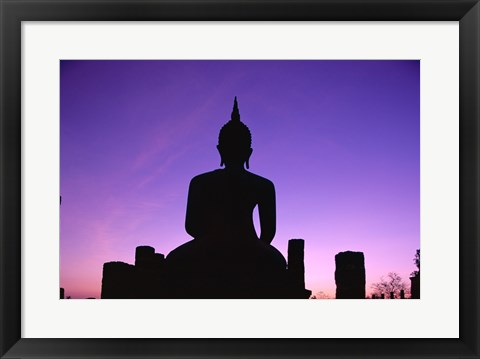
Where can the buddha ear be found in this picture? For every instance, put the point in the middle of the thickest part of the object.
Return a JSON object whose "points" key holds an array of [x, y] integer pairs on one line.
{"points": [[248, 158], [222, 162]]}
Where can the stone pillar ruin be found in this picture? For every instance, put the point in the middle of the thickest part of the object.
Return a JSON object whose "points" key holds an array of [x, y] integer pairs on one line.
{"points": [[143, 280], [62, 293], [118, 281], [402, 294], [350, 275], [415, 286], [296, 268], [149, 268], [145, 257], [159, 261]]}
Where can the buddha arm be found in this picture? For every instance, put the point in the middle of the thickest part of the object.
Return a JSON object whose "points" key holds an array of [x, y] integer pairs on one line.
{"points": [[267, 213], [192, 220]]}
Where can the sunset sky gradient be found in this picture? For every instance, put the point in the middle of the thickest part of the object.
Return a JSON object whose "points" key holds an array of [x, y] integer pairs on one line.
{"points": [[339, 139]]}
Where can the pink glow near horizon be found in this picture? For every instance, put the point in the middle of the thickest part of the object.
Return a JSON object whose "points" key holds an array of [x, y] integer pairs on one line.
{"points": [[339, 139]]}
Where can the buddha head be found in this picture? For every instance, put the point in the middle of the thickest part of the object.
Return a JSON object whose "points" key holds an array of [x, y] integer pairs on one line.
{"points": [[235, 141]]}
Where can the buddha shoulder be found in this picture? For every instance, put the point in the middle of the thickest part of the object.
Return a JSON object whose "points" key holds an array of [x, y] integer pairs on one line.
{"points": [[260, 181], [205, 179], [219, 176]]}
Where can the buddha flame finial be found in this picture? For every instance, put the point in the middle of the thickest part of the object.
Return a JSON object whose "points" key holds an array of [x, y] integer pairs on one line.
{"points": [[235, 114]]}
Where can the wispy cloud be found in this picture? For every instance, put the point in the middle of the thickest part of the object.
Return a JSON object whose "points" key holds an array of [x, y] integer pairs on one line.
{"points": [[162, 168], [170, 132]]}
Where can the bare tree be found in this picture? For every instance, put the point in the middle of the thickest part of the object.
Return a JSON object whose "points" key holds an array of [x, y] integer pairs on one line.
{"points": [[416, 260], [392, 283], [321, 295]]}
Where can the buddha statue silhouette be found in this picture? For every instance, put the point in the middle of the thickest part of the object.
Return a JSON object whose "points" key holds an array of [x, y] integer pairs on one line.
{"points": [[226, 258]]}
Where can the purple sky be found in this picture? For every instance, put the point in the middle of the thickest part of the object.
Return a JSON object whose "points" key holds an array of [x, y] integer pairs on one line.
{"points": [[339, 139]]}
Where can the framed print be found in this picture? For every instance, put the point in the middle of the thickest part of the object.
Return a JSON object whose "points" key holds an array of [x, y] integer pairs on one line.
{"points": [[229, 179]]}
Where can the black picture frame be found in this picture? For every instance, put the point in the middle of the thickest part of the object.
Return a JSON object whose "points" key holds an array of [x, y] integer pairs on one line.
{"points": [[13, 12]]}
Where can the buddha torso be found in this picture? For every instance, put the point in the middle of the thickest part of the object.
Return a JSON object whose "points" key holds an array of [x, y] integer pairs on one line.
{"points": [[221, 203]]}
